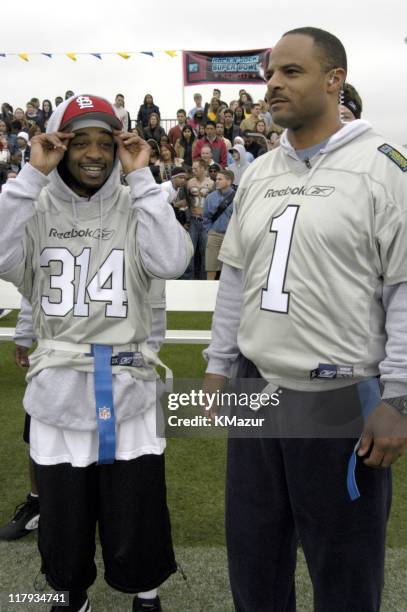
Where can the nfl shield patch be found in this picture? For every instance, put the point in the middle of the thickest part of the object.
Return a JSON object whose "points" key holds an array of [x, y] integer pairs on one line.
{"points": [[105, 413]]}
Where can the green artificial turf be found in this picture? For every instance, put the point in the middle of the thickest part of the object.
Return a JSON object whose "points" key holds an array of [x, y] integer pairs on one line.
{"points": [[195, 478]]}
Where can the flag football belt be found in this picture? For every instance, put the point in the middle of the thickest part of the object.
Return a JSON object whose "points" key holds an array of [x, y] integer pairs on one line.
{"points": [[104, 359], [370, 398]]}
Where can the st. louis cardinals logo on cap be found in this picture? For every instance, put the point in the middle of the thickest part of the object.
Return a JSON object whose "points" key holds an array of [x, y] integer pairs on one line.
{"points": [[84, 102], [91, 107]]}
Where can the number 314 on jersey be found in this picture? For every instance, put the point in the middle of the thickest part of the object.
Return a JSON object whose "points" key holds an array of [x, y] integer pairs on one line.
{"points": [[70, 288]]}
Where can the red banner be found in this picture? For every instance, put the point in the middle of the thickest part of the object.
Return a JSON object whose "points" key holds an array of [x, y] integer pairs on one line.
{"points": [[225, 66]]}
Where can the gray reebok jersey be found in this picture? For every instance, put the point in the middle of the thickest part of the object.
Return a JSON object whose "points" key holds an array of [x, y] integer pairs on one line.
{"points": [[86, 264], [316, 246]]}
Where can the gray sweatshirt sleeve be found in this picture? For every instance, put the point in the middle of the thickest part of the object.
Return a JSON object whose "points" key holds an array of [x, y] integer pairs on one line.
{"points": [[165, 247], [223, 350], [393, 368], [16, 209], [158, 327], [24, 334]]}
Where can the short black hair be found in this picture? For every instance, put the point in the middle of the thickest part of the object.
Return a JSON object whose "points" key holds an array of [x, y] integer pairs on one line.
{"points": [[228, 111], [333, 51], [210, 122], [181, 110]]}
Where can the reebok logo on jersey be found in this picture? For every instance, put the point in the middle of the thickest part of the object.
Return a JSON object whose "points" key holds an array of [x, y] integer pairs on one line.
{"points": [[395, 156], [320, 190], [316, 190], [76, 233]]}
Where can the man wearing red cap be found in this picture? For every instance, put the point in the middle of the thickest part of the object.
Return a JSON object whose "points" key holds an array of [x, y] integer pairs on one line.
{"points": [[82, 248]]}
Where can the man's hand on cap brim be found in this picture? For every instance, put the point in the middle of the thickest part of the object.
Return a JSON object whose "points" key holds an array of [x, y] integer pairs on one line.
{"points": [[47, 150], [134, 152]]}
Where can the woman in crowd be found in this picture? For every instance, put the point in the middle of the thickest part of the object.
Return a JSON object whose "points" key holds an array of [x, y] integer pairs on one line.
{"points": [[261, 128], [201, 131], [164, 140], [167, 161], [184, 145], [213, 110], [244, 97], [240, 163], [239, 115], [19, 115], [240, 141], [197, 120], [46, 110], [146, 109], [153, 129]]}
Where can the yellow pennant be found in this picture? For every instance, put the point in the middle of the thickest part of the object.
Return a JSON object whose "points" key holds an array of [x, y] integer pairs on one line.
{"points": [[171, 53], [123, 54], [24, 56], [72, 56]]}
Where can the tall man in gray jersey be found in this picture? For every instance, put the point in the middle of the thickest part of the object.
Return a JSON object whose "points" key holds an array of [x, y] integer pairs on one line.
{"points": [[82, 248], [313, 296]]}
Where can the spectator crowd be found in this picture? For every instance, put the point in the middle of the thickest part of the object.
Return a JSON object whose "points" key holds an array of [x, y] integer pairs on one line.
{"points": [[186, 159], [189, 160]]}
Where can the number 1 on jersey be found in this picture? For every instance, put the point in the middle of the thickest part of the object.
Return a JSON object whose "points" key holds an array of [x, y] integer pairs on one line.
{"points": [[273, 297]]}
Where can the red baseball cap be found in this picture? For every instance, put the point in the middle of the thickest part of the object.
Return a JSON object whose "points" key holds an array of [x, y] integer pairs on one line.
{"points": [[92, 108]]}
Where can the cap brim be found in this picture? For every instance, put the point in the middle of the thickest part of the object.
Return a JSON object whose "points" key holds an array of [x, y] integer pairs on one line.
{"points": [[111, 120]]}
